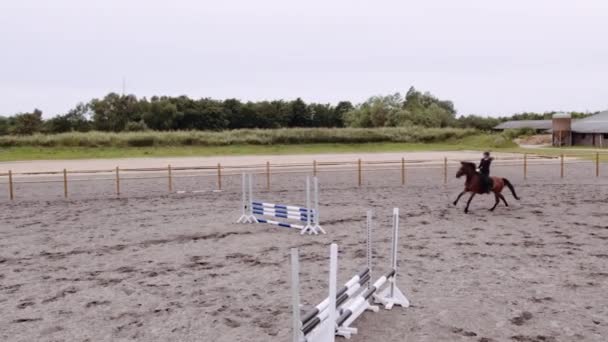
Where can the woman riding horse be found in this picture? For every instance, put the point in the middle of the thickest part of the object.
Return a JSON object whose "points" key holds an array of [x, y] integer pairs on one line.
{"points": [[484, 170], [474, 184]]}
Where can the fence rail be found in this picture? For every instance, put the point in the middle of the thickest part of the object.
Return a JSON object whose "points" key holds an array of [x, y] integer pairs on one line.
{"points": [[171, 173]]}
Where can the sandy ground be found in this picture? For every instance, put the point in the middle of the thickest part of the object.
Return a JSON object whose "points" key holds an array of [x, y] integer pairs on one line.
{"points": [[158, 267]]}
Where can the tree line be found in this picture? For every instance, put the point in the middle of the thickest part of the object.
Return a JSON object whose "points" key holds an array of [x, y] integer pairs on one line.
{"points": [[126, 113]]}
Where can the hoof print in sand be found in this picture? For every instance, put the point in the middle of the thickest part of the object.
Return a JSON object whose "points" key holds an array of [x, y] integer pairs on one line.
{"points": [[96, 303], [521, 319], [538, 338], [231, 323], [61, 294], [25, 305], [463, 332], [26, 320]]}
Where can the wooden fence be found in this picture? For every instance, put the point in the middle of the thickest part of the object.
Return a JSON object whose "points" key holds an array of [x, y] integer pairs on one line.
{"points": [[267, 169]]}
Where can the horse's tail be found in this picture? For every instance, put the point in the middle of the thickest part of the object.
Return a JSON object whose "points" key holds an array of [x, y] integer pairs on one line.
{"points": [[510, 186]]}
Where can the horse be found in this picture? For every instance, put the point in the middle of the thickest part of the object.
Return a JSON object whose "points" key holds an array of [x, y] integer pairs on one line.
{"points": [[474, 186]]}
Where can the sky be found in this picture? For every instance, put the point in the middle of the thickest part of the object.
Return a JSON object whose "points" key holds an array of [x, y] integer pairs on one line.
{"points": [[488, 57]]}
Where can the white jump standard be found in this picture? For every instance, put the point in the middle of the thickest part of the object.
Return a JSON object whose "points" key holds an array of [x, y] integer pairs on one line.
{"points": [[334, 315], [310, 214]]}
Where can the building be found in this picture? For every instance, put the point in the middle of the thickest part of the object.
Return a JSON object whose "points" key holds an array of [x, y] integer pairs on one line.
{"points": [[561, 129], [590, 131], [538, 125]]}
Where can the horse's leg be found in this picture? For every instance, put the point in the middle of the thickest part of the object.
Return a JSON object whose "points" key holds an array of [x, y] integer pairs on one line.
{"points": [[503, 199], [458, 198], [466, 209], [497, 201]]}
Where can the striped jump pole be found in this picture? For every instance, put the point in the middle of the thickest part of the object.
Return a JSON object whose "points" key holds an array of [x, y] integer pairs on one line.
{"points": [[322, 330], [308, 214], [314, 324], [342, 307], [334, 315], [320, 313], [350, 289], [388, 297]]}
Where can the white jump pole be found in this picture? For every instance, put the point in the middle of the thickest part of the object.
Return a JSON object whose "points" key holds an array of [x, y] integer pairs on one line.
{"points": [[316, 216], [335, 314], [312, 209], [244, 183], [369, 246], [295, 295], [333, 280], [247, 201], [324, 327], [391, 295]]}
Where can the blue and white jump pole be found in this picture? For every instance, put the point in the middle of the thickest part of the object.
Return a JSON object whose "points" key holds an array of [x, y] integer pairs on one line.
{"points": [[308, 214]]}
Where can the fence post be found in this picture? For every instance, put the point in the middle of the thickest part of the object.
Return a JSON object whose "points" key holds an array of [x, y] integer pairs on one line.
{"points": [[11, 192], [445, 170], [314, 168], [267, 175], [219, 176], [402, 171], [117, 181], [170, 178], [525, 166], [597, 164], [561, 172], [360, 171], [65, 183]]}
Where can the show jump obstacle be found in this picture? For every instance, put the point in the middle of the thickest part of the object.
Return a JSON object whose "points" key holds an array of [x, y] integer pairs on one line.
{"points": [[335, 314], [310, 214]]}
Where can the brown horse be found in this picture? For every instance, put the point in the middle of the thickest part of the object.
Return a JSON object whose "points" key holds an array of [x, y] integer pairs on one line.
{"points": [[474, 186]]}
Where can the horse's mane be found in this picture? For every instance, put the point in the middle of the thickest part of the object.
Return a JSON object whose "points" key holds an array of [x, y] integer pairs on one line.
{"points": [[469, 164]]}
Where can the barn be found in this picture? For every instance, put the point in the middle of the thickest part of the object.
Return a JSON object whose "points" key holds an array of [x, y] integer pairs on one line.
{"points": [[565, 131], [590, 131], [538, 125]]}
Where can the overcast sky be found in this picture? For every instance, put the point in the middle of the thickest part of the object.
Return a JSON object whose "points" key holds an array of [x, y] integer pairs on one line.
{"points": [[489, 57]]}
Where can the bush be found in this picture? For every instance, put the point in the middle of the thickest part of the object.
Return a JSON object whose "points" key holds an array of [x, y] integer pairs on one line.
{"points": [[518, 132], [141, 141], [138, 126], [241, 137]]}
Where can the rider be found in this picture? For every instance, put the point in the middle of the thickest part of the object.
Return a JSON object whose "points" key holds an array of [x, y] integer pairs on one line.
{"points": [[484, 171]]}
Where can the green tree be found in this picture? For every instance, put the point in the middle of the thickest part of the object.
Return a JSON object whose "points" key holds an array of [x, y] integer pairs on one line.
{"points": [[340, 111], [427, 110], [58, 124], [27, 123], [273, 114], [322, 115], [161, 114], [77, 119], [240, 115], [378, 111], [204, 114], [4, 125], [299, 115], [113, 112]]}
